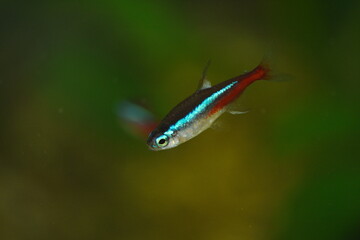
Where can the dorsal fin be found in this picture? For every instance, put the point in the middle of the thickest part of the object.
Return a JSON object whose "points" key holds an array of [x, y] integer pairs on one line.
{"points": [[204, 83]]}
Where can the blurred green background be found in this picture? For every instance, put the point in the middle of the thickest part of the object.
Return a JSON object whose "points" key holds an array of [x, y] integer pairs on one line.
{"points": [[289, 169]]}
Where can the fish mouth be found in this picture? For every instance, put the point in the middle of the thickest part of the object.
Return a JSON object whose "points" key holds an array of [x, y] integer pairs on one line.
{"points": [[150, 143], [153, 147]]}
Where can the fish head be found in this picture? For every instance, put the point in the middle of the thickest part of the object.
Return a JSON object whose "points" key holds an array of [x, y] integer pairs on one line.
{"points": [[161, 140]]}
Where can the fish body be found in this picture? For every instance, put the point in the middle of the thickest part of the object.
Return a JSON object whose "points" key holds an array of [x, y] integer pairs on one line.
{"points": [[197, 112], [135, 118]]}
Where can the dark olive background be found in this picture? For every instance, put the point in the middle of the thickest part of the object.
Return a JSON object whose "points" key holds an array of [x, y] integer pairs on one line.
{"points": [[289, 169]]}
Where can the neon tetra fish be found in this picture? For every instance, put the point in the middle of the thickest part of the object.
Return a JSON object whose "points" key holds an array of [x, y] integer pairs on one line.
{"points": [[197, 112]]}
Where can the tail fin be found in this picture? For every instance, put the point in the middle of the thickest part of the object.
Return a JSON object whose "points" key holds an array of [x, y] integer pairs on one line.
{"points": [[269, 73], [264, 70], [261, 72]]}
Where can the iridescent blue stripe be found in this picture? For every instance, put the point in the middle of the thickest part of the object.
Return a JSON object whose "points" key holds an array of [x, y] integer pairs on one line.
{"points": [[198, 110]]}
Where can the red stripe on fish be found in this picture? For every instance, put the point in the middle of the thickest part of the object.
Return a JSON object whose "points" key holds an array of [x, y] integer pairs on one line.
{"points": [[260, 72]]}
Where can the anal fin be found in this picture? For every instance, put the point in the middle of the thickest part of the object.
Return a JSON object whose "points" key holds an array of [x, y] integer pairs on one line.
{"points": [[237, 112], [236, 108]]}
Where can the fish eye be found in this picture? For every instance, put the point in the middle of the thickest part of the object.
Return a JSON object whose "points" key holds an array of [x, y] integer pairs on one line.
{"points": [[162, 141]]}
